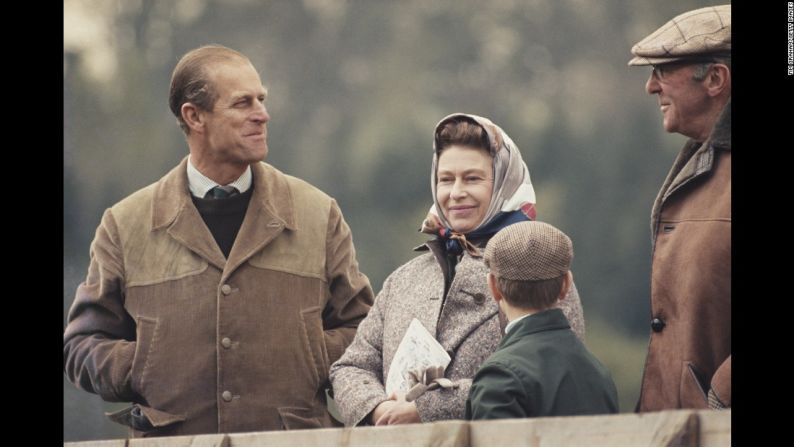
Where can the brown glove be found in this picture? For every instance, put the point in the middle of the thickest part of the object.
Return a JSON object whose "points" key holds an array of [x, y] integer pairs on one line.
{"points": [[429, 379]]}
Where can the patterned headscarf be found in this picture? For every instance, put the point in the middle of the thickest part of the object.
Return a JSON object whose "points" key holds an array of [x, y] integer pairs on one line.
{"points": [[513, 197]]}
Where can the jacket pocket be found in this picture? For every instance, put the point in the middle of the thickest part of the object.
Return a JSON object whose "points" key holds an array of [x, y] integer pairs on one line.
{"points": [[295, 418], [314, 339], [144, 419], [146, 334], [693, 392]]}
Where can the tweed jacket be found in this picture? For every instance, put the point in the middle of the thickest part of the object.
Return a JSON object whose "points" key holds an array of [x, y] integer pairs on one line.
{"points": [[541, 369], [467, 326], [204, 344], [690, 343]]}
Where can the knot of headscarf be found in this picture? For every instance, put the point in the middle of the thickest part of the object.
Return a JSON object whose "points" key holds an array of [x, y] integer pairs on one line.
{"points": [[456, 242]]}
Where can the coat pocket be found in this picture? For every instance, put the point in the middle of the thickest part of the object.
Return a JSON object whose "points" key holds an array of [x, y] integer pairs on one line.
{"points": [[146, 333], [314, 340], [694, 389], [144, 419], [296, 418]]}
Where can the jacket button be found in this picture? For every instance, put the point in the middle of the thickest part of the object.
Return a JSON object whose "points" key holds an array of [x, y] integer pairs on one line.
{"points": [[227, 396], [479, 298], [226, 289], [366, 382], [658, 324], [226, 342]]}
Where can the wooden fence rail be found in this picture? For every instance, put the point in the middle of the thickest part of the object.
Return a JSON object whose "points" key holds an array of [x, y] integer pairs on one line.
{"points": [[679, 428]]}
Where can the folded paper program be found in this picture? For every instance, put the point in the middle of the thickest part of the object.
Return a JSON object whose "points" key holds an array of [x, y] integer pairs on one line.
{"points": [[417, 351]]}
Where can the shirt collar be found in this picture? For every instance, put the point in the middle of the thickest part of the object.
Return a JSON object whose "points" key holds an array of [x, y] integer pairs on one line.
{"points": [[200, 184]]}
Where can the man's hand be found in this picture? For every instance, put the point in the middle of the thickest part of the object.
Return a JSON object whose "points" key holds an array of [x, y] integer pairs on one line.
{"points": [[399, 411]]}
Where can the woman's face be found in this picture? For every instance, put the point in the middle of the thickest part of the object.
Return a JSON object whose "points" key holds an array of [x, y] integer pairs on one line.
{"points": [[465, 184]]}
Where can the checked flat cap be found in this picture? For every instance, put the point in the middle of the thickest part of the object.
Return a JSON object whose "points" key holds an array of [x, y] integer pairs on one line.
{"points": [[529, 251], [702, 33]]}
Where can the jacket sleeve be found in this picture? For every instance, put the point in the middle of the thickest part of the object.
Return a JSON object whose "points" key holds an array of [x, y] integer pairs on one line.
{"points": [[496, 393], [571, 306], [450, 403], [444, 403], [350, 292], [98, 345], [357, 377], [721, 385]]}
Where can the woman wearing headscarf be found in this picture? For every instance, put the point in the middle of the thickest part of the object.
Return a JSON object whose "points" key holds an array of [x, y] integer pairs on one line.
{"points": [[480, 185]]}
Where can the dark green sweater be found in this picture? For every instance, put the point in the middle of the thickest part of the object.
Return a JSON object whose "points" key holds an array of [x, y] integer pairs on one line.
{"points": [[541, 369]]}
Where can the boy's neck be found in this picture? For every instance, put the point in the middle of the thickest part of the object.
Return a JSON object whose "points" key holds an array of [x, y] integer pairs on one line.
{"points": [[513, 313]]}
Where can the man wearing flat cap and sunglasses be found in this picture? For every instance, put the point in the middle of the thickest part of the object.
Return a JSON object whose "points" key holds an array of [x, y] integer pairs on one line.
{"points": [[689, 354]]}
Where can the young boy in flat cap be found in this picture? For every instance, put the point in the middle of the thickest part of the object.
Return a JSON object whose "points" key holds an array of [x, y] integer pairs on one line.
{"points": [[540, 367]]}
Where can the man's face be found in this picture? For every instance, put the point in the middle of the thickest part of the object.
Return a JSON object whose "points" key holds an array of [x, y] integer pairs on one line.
{"points": [[684, 102], [236, 128]]}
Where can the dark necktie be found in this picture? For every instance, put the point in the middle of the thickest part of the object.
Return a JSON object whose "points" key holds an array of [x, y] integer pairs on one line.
{"points": [[221, 192]]}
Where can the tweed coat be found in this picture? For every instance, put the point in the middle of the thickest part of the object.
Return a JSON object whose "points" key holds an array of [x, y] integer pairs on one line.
{"points": [[467, 326], [204, 344], [690, 343]]}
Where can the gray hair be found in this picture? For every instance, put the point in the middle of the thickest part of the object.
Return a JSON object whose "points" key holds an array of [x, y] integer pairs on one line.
{"points": [[701, 69]]}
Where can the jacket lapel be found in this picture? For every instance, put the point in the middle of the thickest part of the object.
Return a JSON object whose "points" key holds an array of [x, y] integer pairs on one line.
{"points": [[270, 212], [172, 208], [468, 304]]}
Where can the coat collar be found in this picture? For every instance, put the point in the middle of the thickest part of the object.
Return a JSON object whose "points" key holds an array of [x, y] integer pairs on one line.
{"points": [[721, 135], [270, 211], [548, 320], [694, 160]]}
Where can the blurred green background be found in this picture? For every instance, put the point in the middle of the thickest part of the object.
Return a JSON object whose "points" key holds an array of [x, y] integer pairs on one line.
{"points": [[355, 89]]}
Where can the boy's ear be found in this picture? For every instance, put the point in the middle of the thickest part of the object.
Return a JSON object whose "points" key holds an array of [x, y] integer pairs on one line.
{"points": [[497, 295], [567, 283]]}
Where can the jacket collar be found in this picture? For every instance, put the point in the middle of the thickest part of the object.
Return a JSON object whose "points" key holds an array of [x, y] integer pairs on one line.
{"points": [[270, 211], [547, 320], [721, 135], [694, 160]]}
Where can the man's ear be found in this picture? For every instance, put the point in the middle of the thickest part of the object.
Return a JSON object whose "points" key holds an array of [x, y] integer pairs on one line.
{"points": [[193, 117], [497, 295], [567, 283], [718, 79]]}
